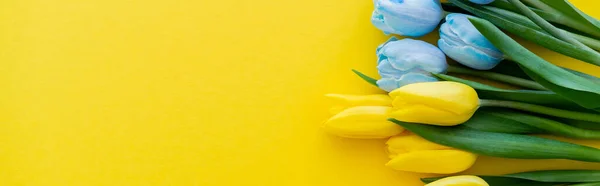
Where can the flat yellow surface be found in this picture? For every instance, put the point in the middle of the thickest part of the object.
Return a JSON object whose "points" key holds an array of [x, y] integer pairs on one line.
{"points": [[193, 92]]}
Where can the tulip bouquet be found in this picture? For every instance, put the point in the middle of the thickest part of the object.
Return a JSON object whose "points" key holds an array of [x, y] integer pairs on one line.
{"points": [[439, 123]]}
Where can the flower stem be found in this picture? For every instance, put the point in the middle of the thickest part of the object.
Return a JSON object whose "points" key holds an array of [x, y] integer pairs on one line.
{"points": [[546, 25], [498, 77], [541, 110]]}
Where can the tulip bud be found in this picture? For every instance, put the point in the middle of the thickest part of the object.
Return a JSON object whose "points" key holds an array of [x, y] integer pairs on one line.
{"points": [[442, 103], [413, 153], [412, 18], [461, 41], [409, 143], [363, 122], [344, 101], [407, 61], [482, 2], [459, 181]]}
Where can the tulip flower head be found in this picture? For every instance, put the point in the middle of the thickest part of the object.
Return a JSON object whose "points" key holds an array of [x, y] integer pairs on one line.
{"points": [[461, 41], [363, 122], [412, 18], [459, 181], [407, 61], [412, 153], [443, 103], [482, 2], [344, 101]]}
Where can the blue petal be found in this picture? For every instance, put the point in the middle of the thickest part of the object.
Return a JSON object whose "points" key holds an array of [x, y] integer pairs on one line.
{"points": [[469, 56], [461, 41], [413, 18], [460, 26], [390, 84], [411, 55]]}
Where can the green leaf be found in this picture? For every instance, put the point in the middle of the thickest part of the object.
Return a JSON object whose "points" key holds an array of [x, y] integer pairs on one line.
{"points": [[583, 124], [570, 176], [502, 145], [500, 181], [490, 121], [368, 79], [575, 88], [550, 126], [588, 24], [527, 96], [530, 33]]}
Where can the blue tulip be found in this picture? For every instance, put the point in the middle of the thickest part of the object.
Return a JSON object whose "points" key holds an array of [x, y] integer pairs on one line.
{"points": [[407, 61], [482, 2], [461, 41], [412, 18]]}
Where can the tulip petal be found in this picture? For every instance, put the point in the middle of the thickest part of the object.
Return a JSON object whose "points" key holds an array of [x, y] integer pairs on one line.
{"points": [[409, 143], [390, 84], [461, 41], [343, 101], [413, 18], [433, 161], [452, 97], [460, 181], [365, 122], [427, 115]]}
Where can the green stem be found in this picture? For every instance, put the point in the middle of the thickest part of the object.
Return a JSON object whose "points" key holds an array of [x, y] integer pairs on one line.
{"points": [[498, 77], [540, 5], [546, 25], [591, 42], [587, 184], [541, 110]]}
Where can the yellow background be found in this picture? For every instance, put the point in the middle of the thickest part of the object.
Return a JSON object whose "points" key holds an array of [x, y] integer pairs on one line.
{"points": [[192, 92]]}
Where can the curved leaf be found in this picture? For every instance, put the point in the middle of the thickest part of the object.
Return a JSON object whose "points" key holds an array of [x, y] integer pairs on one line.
{"points": [[490, 121], [575, 88], [502, 145], [590, 25], [572, 176], [368, 79]]}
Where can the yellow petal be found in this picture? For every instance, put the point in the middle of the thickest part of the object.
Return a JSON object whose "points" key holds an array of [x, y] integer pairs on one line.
{"points": [[365, 122], [427, 115], [433, 161], [459, 181], [409, 143], [344, 101], [453, 97]]}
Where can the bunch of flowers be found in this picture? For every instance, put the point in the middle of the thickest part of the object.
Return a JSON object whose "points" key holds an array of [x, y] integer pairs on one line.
{"points": [[439, 123]]}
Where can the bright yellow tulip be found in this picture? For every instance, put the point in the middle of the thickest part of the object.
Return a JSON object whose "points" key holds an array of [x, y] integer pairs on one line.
{"points": [[364, 122], [459, 181], [344, 101], [412, 153], [410, 142], [442, 103]]}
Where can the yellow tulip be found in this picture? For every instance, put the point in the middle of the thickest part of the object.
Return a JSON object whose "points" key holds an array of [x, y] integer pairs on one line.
{"points": [[459, 181], [412, 153], [344, 101], [364, 122], [442, 103], [409, 143]]}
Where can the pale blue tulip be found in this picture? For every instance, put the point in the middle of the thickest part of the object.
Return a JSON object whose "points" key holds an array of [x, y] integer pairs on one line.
{"points": [[412, 18], [406, 61], [461, 41], [482, 2]]}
